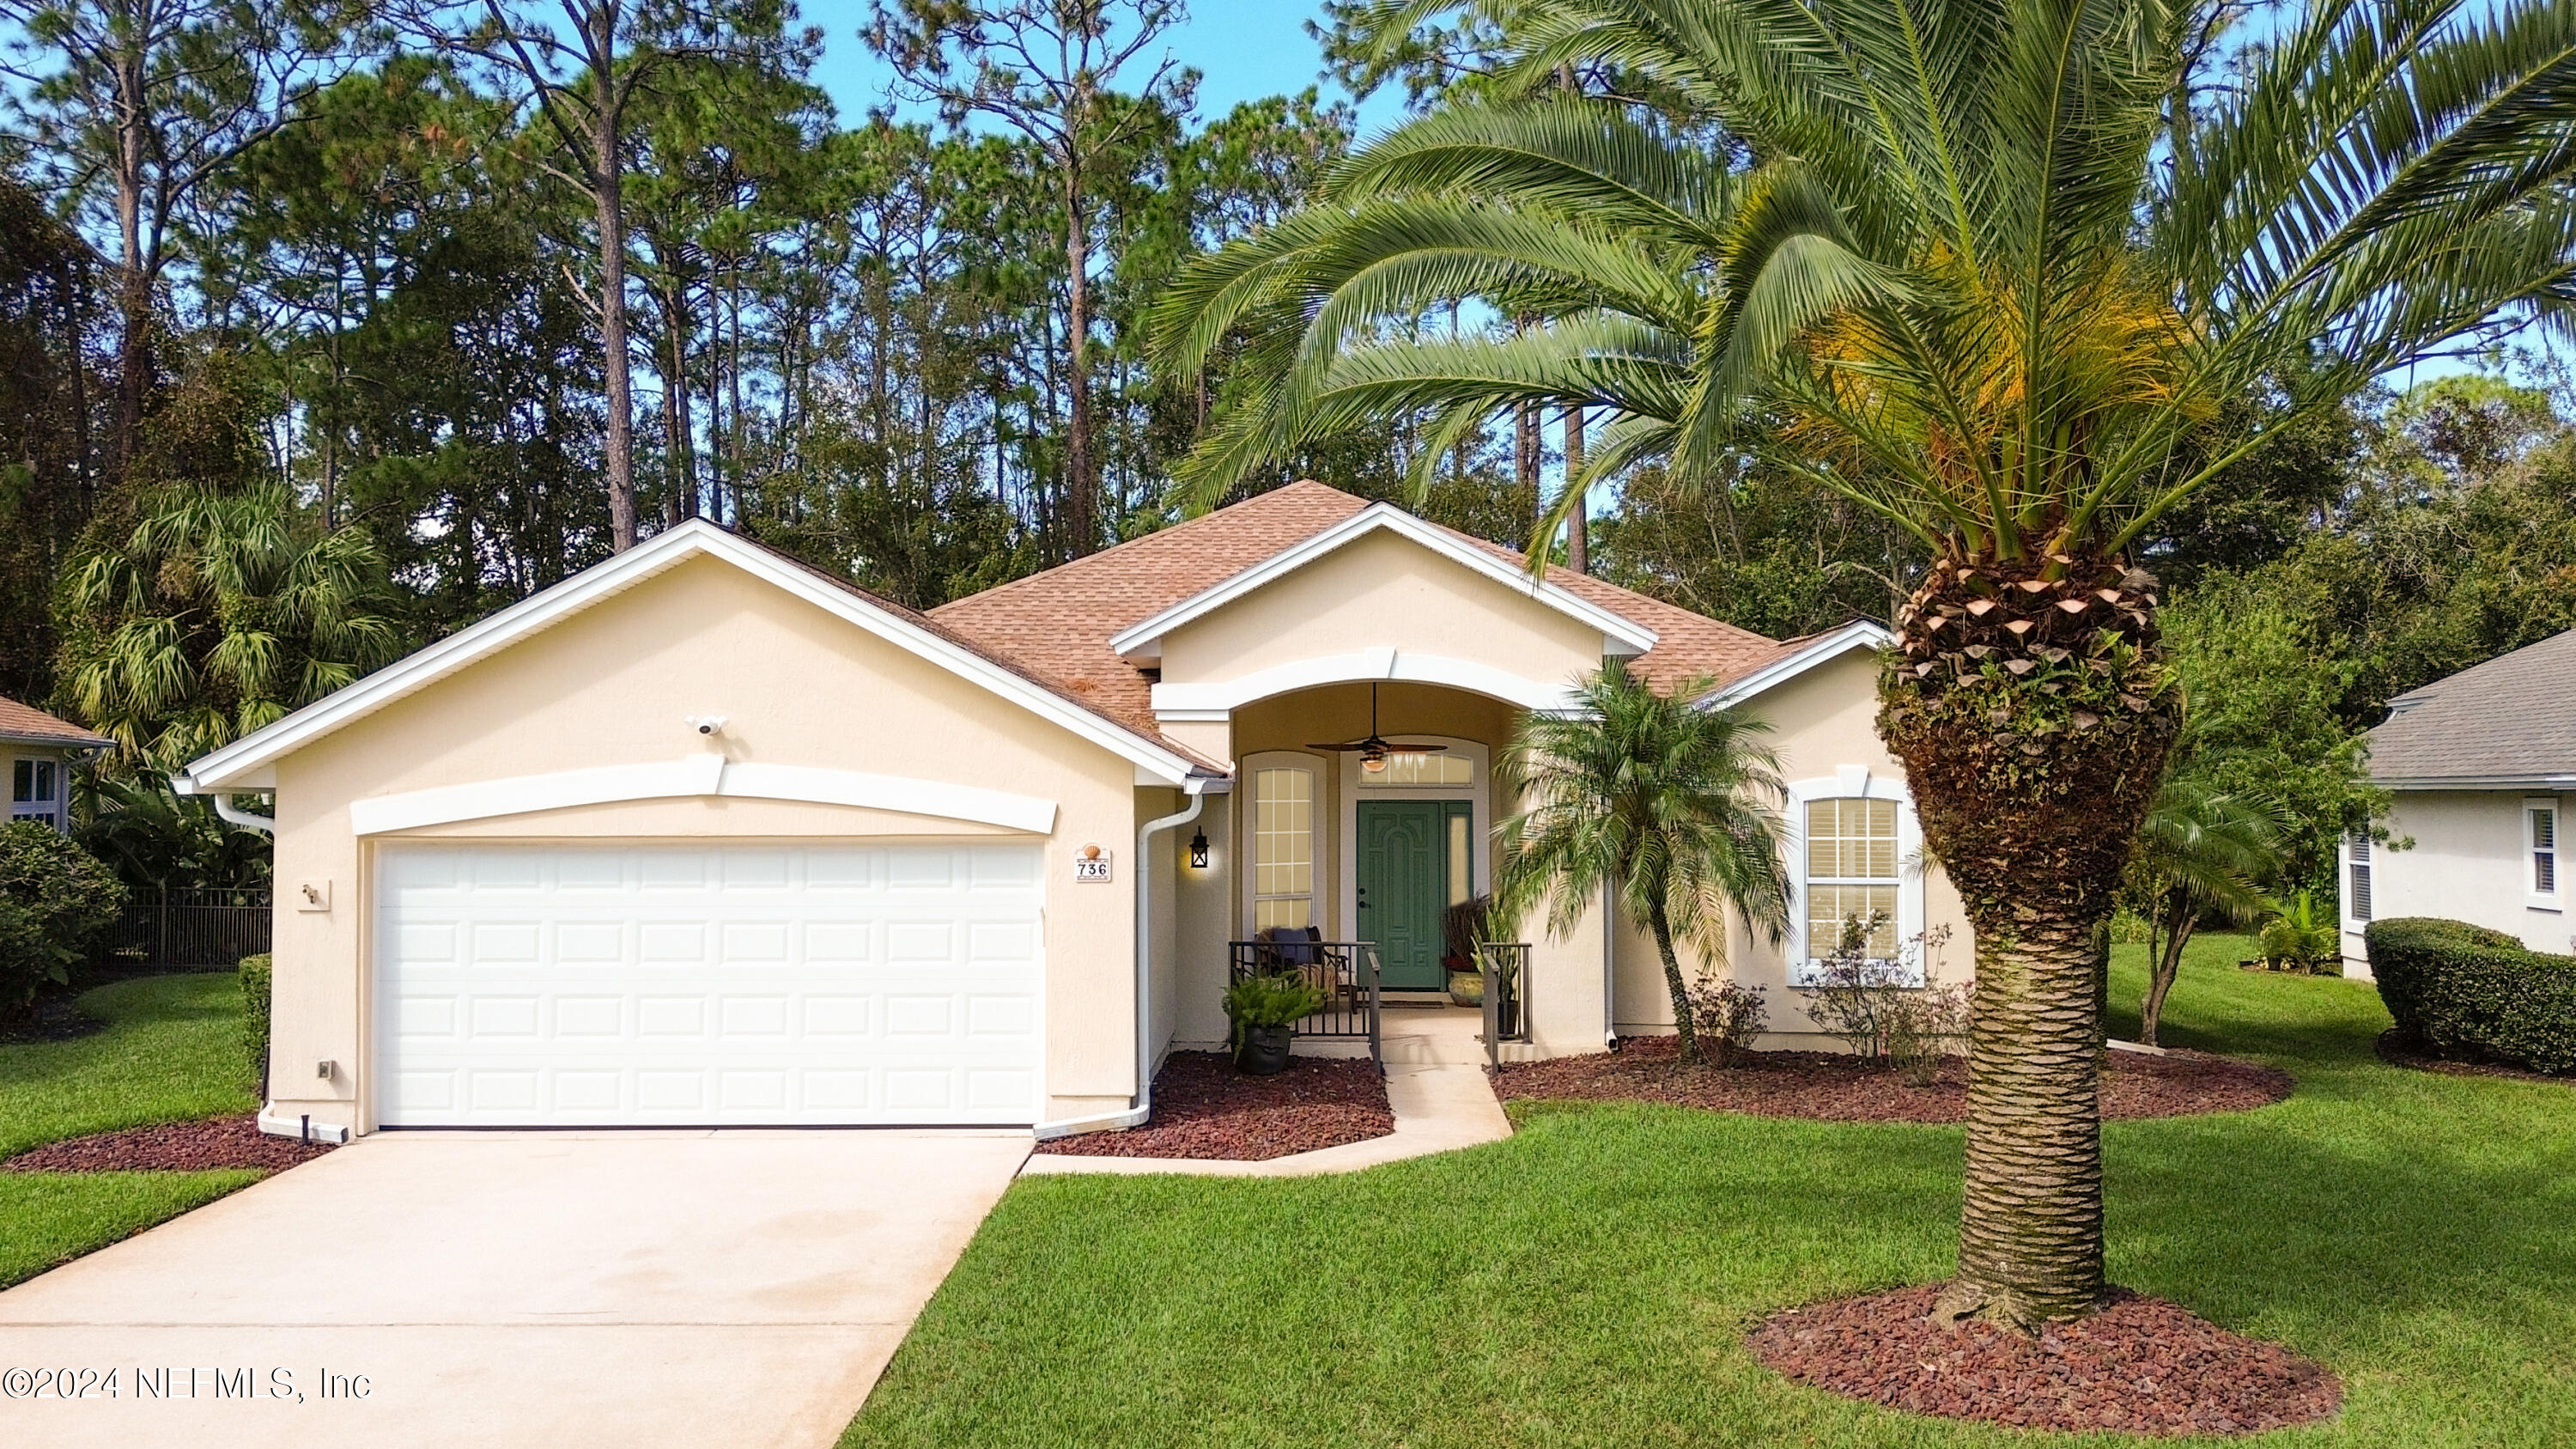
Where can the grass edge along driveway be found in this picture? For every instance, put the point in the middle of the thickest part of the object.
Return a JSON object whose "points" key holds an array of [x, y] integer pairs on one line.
{"points": [[171, 1053], [1588, 1282]]}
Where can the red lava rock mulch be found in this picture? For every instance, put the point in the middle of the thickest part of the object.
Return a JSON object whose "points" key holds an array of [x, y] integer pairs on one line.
{"points": [[178, 1147], [1834, 1087], [2141, 1366], [1203, 1107], [2396, 1050]]}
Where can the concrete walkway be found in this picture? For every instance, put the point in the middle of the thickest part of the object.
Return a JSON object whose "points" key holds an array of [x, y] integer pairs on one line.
{"points": [[1435, 1082], [518, 1288]]}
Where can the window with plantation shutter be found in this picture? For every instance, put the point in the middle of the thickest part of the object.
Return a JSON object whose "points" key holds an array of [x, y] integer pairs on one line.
{"points": [[2540, 843], [1851, 875], [2356, 896], [1283, 848]]}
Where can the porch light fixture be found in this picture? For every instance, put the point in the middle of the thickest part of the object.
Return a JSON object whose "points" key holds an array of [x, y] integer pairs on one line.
{"points": [[1199, 850]]}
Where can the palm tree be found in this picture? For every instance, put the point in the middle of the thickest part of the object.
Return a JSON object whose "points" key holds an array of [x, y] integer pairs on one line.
{"points": [[219, 611], [1999, 270], [1665, 804], [2201, 852]]}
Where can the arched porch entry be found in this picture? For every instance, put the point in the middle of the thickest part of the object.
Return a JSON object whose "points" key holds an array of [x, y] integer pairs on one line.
{"points": [[1361, 854]]}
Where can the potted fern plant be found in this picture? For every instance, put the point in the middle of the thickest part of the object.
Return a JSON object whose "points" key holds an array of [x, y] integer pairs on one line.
{"points": [[1265, 1010], [1463, 926]]}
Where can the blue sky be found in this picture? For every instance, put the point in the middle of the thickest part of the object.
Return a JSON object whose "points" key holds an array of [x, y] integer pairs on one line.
{"points": [[1242, 49]]}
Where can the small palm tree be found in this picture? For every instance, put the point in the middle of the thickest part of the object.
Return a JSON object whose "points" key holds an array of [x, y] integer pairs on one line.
{"points": [[2201, 852], [1668, 805], [218, 612]]}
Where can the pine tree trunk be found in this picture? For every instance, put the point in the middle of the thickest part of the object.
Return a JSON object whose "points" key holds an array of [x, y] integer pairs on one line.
{"points": [[2033, 710], [1578, 524], [1662, 926], [608, 189], [1083, 476]]}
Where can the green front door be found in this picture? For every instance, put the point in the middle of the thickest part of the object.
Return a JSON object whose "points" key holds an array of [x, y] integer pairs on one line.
{"points": [[1404, 875]]}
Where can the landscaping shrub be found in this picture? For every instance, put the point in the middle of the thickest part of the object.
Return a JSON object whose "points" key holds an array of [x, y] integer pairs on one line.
{"points": [[60, 899], [1726, 1016], [2464, 991], [255, 1009]]}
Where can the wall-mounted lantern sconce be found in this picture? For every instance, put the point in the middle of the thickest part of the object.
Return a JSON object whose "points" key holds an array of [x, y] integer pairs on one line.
{"points": [[1198, 850]]}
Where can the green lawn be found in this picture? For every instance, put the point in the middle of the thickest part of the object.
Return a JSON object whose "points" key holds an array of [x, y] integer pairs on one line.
{"points": [[171, 1052], [1589, 1281]]}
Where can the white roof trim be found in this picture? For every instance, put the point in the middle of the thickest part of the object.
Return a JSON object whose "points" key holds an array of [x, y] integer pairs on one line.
{"points": [[706, 774], [1143, 640], [236, 764], [1858, 634], [1218, 700]]}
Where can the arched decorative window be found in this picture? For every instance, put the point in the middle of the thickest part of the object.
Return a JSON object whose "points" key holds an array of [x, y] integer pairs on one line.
{"points": [[1854, 859]]}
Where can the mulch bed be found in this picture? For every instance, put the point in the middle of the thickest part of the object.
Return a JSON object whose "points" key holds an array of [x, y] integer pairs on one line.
{"points": [[1203, 1107], [55, 1020], [2396, 1049], [217, 1142], [2141, 1366], [1835, 1087]]}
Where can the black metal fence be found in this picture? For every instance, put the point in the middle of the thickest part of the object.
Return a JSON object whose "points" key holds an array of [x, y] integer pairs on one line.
{"points": [[1346, 972], [1506, 969], [189, 927]]}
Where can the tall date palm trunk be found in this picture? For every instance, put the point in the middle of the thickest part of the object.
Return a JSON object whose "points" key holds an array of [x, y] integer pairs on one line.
{"points": [[2033, 710]]}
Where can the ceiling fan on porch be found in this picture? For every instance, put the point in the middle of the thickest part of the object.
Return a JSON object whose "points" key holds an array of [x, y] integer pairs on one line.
{"points": [[1374, 751]]}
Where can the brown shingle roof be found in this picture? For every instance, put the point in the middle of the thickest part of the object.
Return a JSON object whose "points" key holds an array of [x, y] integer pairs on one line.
{"points": [[1058, 624], [33, 725], [2512, 718]]}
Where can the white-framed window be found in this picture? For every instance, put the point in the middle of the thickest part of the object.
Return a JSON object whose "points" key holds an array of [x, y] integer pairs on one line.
{"points": [[1283, 846], [2540, 880], [1852, 838], [36, 791], [2356, 870]]}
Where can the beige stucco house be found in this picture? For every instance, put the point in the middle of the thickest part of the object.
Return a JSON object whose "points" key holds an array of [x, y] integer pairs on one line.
{"points": [[41, 750], [703, 836], [2480, 769]]}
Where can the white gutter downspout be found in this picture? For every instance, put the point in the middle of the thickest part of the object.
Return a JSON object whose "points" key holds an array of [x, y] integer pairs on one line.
{"points": [[225, 810], [1143, 1105]]}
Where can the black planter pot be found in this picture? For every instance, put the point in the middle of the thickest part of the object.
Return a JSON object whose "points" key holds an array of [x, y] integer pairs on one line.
{"points": [[1265, 1050]]}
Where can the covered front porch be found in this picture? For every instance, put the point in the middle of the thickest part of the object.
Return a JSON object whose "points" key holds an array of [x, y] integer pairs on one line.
{"points": [[1354, 850]]}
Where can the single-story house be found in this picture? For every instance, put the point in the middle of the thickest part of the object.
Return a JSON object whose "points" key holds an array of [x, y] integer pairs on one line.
{"points": [[2481, 768], [704, 836], [40, 750]]}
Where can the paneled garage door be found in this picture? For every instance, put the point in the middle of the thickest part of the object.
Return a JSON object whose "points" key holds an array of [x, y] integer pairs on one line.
{"points": [[684, 985]]}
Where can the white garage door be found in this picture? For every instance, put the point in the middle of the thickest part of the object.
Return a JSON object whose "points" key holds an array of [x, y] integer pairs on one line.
{"points": [[686, 985]]}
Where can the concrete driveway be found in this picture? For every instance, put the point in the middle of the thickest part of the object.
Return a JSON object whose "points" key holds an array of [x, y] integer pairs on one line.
{"points": [[555, 1289]]}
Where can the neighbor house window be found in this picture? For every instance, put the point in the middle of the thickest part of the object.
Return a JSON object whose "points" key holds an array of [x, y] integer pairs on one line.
{"points": [[1283, 848], [2540, 840], [2356, 896], [35, 792], [1851, 874]]}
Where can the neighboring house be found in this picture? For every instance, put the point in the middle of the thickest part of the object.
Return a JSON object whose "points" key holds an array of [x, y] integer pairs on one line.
{"points": [[40, 750], [704, 836], [2482, 768]]}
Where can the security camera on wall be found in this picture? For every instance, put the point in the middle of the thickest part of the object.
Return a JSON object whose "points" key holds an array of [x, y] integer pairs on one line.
{"points": [[706, 724]]}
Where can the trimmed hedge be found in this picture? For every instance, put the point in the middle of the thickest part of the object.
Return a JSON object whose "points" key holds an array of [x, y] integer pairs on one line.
{"points": [[255, 998], [2464, 991]]}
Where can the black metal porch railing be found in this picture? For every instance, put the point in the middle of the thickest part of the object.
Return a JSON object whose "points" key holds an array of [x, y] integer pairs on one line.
{"points": [[189, 927], [1506, 969], [1346, 972]]}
